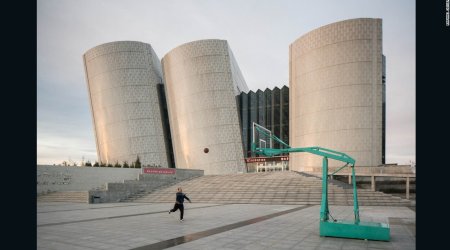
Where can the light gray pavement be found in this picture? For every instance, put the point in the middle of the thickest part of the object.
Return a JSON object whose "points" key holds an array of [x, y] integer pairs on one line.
{"points": [[132, 225]]}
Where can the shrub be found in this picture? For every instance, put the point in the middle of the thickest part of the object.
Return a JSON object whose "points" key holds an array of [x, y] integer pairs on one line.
{"points": [[137, 163]]}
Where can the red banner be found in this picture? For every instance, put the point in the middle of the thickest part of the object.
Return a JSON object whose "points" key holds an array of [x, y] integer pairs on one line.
{"points": [[158, 171]]}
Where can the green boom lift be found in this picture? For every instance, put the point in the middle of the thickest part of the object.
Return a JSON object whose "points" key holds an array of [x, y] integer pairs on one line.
{"points": [[334, 228]]}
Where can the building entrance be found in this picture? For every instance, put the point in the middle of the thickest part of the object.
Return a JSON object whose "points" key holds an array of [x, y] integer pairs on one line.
{"points": [[267, 164]]}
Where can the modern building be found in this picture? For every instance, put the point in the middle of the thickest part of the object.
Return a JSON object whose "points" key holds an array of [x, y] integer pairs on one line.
{"points": [[337, 91], [268, 108], [124, 82], [193, 110], [202, 83]]}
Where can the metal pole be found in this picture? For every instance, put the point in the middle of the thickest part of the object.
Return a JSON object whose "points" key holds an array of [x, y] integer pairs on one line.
{"points": [[407, 188], [373, 182], [253, 128], [355, 197], [324, 203]]}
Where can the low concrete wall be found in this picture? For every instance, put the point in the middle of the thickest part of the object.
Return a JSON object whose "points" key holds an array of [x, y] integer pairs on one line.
{"points": [[390, 169], [384, 184], [180, 174], [395, 184], [59, 178], [116, 192]]}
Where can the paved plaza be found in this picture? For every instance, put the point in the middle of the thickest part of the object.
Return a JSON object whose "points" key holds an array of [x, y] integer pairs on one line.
{"points": [[209, 226]]}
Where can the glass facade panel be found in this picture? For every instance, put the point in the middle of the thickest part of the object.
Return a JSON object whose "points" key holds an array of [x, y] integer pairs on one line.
{"points": [[166, 125], [268, 108], [261, 107], [276, 122], [284, 112]]}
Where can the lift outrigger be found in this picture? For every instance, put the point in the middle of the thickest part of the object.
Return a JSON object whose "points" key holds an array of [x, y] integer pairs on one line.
{"points": [[334, 228]]}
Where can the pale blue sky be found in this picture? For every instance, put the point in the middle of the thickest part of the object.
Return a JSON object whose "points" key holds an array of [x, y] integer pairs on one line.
{"points": [[259, 33]]}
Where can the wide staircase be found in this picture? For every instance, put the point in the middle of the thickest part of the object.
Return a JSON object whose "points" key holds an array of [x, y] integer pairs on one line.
{"points": [[68, 196], [286, 187]]}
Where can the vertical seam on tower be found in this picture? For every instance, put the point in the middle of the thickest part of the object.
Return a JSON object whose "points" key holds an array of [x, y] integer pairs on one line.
{"points": [[374, 69]]}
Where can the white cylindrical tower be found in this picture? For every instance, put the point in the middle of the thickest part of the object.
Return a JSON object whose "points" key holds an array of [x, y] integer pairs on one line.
{"points": [[122, 80], [336, 92], [202, 81]]}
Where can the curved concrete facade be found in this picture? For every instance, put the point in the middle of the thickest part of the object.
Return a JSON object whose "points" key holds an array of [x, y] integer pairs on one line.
{"points": [[336, 92], [122, 81], [202, 81]]}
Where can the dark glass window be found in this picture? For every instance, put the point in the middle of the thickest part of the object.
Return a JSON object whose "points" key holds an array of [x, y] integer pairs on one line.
{"points": [[269, 108], [166, 126]]}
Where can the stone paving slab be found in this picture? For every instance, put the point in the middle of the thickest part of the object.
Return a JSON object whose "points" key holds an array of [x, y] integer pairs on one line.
{"points": [[133, 225], [69, 213]]}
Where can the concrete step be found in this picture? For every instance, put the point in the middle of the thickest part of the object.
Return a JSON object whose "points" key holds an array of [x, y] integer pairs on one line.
{"points": [[69, 196], [287, 193], [332, 198], [287, 202], [267, 188], [197, 197]]}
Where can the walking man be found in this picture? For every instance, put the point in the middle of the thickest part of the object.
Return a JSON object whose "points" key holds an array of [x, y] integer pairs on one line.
{"points": [[179, 203]]}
